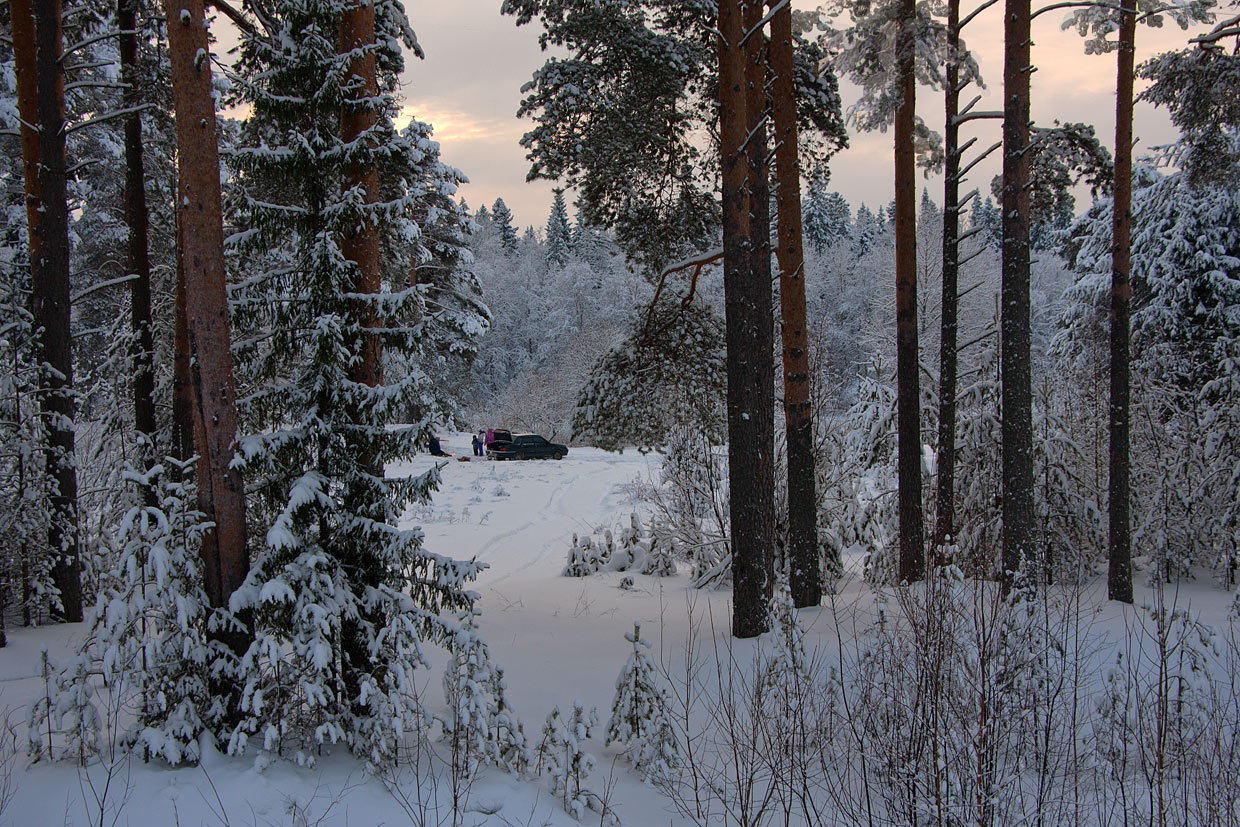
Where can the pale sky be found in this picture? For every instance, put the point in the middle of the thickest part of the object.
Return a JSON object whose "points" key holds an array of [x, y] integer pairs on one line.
{"points": [[469, 87]]}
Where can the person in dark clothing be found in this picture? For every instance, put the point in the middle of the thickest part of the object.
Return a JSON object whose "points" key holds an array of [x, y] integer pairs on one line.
{"points": [[477, 446], [432, 443]]}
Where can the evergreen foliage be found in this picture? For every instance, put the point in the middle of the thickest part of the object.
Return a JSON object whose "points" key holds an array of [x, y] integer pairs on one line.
{"points": [[1200, 88], [481, 726], [502, 216], [149, 636], [618, 118], [826, 217], [340, 599], [669, 371], [641, 720], [559, 236], [562, 755]]}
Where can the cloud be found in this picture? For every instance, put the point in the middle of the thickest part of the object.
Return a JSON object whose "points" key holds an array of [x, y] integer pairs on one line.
{"points": [[455, 125]]}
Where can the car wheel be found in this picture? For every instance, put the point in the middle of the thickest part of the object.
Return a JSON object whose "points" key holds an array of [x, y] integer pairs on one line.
{"points": [[558, 455]]}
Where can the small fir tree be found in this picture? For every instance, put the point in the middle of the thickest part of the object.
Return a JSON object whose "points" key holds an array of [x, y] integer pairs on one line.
{"points": [[502, 218], [562, 753], [559, 237], [480, 726], [640, 717]]}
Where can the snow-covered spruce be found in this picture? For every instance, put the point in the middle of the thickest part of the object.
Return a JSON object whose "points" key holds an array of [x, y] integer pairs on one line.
{"points": [[640, 720], [148, 637], [480, 726], [340, 600], [561, 755], [636, 550]]}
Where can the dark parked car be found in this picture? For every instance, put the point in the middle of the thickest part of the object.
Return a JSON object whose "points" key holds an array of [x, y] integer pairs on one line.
{"points": [[527, 446]]}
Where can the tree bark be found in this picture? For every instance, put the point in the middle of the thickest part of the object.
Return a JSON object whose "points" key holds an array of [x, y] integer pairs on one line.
{"points": [[762, 306], [137, 220], [37, 37], [21, 21], [358, 118], [750, 338], [908, 414], [1119, 570], [804, 567], [945, 493], [1014, 359], [221, 496], [182, 381]]}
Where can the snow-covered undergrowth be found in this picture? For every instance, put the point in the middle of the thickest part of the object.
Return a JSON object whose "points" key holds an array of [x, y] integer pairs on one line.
{"points": [[939, 704]]}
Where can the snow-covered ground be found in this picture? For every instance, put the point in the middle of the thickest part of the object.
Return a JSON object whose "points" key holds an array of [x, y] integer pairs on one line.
{"points": [[559, 640]]}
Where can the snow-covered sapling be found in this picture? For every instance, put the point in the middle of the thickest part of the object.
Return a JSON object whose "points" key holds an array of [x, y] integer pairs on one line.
{"points": [[480, 725], [640, 719], [562, 755]]}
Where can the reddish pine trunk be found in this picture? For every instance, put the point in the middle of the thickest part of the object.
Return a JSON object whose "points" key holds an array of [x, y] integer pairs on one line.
{"points": [[804, 570], [221, 496], [136, 218], [945, 494], [1119, 572], [37, 53], [357, 118], [908, 414], [1014, 358], [750, 337]]}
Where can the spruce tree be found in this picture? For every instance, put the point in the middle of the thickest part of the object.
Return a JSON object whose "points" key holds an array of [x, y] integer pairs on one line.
{"points": [[502, 216], [814, 216], [559, 238], [641, 719], [342, 599]]}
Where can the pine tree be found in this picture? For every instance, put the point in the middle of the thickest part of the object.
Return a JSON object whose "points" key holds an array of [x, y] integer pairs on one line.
{"points": [[502, 216], [562, 752], [559, 237], [38, 45], [210, 390], [1119, 571], [1015, 359], [984, 216], [342, 600]]}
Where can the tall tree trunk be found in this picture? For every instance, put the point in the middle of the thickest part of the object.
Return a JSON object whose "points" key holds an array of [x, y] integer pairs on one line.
{"points": [[762, 304], [804, 569], [1119, 572], [357, 118], [750, 337], [47, 210], [908, 413], [221, 496], [1014, 361], [21, 21], [945, 499], [182, 381], [136, 218]]}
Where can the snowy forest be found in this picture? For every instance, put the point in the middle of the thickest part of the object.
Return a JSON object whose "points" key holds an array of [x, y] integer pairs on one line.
{"points": [[910, 512]]}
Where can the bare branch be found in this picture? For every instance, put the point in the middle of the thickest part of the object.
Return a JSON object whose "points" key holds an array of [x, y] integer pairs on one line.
{"points": [[235, 15]]}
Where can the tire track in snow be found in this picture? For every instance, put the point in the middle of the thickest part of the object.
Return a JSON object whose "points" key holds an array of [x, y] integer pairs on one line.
{"points": [[552, 511]]}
